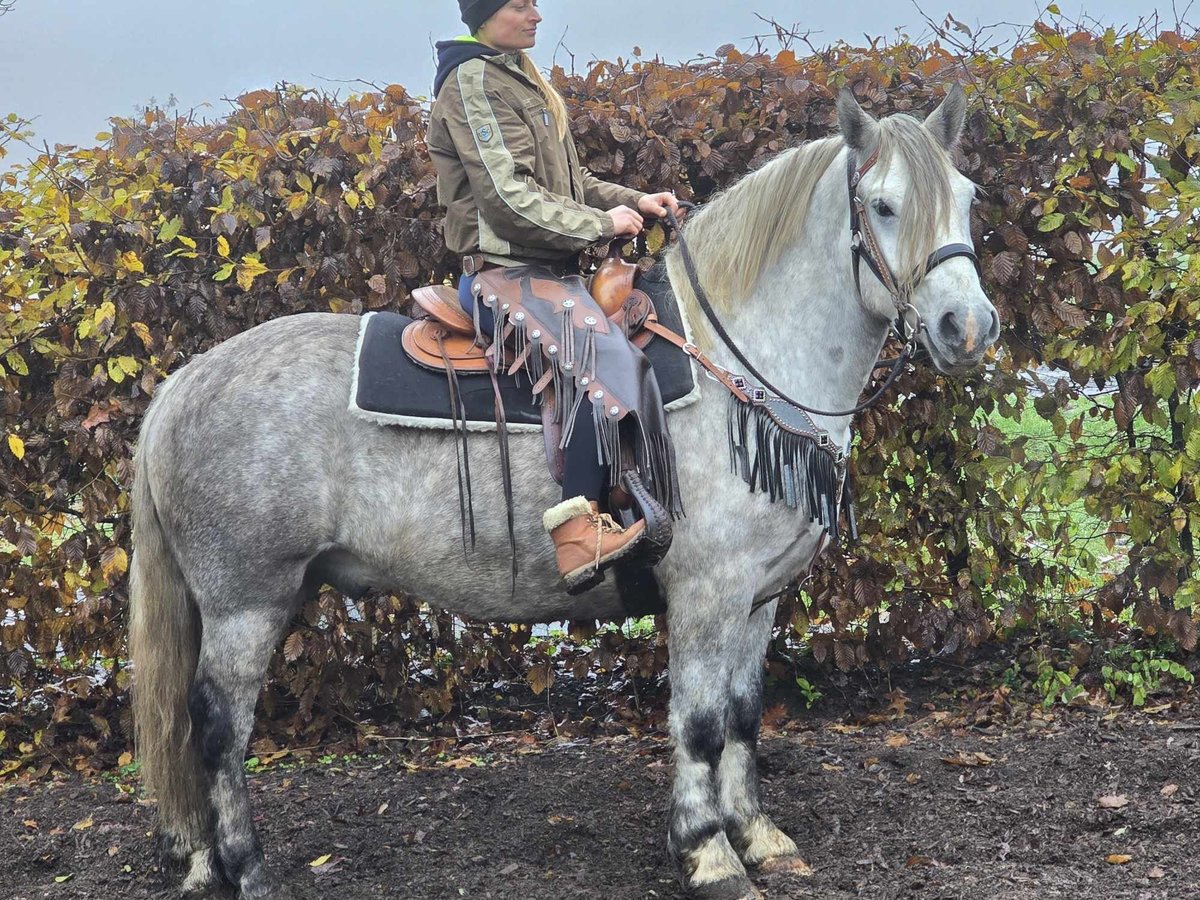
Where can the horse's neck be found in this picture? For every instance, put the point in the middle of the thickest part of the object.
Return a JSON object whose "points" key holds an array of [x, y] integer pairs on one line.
{"points": [[804, 327]]}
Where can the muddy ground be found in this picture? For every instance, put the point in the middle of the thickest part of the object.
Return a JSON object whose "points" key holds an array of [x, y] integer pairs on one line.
{"points": [[922, 798]]}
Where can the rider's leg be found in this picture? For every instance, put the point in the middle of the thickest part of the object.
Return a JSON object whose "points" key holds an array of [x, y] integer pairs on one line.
{"points": [[585, 540]]}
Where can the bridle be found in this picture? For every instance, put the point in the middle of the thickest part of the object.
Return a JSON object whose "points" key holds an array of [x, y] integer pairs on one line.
{"points": [[864, 246]]}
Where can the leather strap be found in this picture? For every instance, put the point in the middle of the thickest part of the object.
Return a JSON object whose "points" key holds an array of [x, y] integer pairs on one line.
{"points": [[652, 325]]}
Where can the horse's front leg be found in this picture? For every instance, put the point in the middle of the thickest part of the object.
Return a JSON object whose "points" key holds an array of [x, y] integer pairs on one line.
{"points": [[702, 636], [757, 840]]}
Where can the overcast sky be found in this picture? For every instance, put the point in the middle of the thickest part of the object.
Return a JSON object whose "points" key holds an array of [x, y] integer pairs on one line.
{"points": [[74, 63]]}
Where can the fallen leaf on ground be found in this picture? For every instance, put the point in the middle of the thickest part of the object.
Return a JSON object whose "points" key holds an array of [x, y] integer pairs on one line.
{"points": [[915, 862], [1156, 873], [1113, 801], [912, 777], [321, 860], [839, 728], [896, 739], [961, 758], [1169, 790], [84, 824], [1118, 859]]}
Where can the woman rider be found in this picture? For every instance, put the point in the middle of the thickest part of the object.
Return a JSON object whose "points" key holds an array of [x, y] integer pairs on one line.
{"points": [[515, 194]]}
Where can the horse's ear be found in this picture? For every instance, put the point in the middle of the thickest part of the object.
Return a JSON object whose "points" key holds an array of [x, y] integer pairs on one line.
{"points": [[946, 122], [857, 127]]}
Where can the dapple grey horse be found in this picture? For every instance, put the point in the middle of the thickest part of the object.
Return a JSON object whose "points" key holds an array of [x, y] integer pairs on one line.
{"points": [[255, 486]]}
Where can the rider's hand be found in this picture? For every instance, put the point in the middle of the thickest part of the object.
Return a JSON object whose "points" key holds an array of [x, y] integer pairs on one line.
{"points": [[626, 222], [658, 204]]}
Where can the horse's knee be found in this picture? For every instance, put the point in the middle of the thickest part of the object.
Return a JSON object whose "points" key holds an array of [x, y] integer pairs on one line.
{"points": [[212, 723], [704, 737], [745, 717]]}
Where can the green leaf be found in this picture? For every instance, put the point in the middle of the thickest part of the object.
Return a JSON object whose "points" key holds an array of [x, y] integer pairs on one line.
{"points": [[170, 229], [224, 272], [1050, 222]]}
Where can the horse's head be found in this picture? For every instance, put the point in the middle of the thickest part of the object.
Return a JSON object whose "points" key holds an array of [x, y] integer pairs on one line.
{"points": [[914, 211]]}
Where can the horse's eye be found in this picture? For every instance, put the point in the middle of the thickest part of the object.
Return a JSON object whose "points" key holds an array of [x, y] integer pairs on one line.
{"points": [[885, 211]]}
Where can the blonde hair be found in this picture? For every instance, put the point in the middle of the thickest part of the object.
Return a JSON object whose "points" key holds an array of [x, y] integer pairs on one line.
{"points": [[554, 100]]}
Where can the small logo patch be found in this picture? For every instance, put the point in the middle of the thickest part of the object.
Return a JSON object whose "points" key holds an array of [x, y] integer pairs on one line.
{"points": [[485, 133]]}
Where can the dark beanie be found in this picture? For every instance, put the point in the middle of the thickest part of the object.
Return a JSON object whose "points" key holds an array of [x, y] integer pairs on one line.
{"points": [[476, 12]]}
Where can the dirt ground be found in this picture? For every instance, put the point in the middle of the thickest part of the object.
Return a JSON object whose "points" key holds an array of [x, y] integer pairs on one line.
{"points": [[917, 801]]}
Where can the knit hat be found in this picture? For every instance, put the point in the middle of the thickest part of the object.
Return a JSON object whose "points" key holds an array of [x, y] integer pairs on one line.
{"points": [[476, 12]]}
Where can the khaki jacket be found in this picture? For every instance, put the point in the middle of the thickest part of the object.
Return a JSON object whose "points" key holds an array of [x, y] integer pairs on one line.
{"points": [[513, 191]]}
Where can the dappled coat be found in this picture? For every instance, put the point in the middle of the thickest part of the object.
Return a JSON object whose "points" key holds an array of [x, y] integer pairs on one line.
{"points": [[512, 190]]}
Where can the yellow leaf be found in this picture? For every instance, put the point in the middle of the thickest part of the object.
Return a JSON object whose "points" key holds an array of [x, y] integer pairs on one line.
{"points": [[250, 269], [1118, 859], [114, 562], [125, 758], [128, 365], [222, 246], [84, 824], [143, 332], [321, 860], [131, 263], [106, 311], [17, 446], [186, 241], [352, 199]]}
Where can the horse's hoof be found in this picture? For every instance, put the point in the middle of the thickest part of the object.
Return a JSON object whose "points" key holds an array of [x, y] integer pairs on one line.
{"points": [[785, 865], [734, 888]]}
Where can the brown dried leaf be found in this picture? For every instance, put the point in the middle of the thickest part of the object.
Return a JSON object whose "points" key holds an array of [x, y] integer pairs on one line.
{"points": [[1113, 801], [970, 760]]}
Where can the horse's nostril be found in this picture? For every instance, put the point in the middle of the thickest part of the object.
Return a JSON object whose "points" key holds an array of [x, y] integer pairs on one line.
{"points": [[994, 331], [949, 329]]}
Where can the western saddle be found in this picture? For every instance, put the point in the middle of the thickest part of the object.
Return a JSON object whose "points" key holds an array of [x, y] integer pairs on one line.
{"points": [[448, 337]]}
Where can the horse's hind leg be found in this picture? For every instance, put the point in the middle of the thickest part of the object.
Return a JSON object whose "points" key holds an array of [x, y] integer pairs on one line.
{"points": [[702, 641], [234, 653], [754, 836]]}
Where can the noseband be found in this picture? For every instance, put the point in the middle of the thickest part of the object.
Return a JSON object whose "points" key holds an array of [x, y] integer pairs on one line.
{"points": [[864, 246]]}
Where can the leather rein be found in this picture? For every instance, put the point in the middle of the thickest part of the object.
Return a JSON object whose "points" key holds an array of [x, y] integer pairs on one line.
{"points": [[864, 246]]}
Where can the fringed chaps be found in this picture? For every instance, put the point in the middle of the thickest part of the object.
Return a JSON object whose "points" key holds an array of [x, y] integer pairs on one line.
{"points": [[561, 339]]}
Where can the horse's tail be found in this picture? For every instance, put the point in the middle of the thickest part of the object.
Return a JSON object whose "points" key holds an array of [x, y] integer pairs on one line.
{"points": [[164, 644]]}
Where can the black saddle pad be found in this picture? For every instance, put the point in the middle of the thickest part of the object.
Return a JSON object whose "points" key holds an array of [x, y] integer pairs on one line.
{"points": [[391, 389]]}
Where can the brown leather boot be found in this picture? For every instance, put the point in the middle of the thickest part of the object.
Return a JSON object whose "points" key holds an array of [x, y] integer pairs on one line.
{"points": [[586, 541]]}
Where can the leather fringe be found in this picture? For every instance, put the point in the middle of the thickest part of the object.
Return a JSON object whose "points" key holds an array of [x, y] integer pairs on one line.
{"points": [[787, 466]]}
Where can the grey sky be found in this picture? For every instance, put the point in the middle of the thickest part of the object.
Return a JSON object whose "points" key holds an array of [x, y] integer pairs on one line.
{"points": [[74, 63]]}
